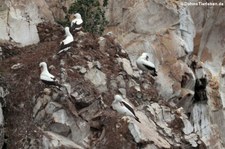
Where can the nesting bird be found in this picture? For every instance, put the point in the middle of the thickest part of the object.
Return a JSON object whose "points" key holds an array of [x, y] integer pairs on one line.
{"points": [[66, 43], [122, 107], [46, 77], [145, 64], [76, 23]]}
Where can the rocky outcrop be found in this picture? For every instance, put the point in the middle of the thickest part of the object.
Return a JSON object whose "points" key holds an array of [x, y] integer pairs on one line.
{"points": [[192, 82], [19, 19], [180, 108], [78, 115]]}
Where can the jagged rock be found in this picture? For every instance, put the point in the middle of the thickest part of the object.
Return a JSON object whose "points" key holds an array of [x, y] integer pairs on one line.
{"points": [[161, 116], [132, 83], [92, 111], [192, 139], [146, 131], [200, 111], [80, 131], [52, 107], [60, 116], [80, 68], [188, 128], [3, 94], [40, 116], [187, 29], [41, 103], [19, 19], [126, 65], [60, 129], [120, 81], [122, 91], [102, 43], [98, 78], [96, 64], [52, 140], [186, 99]]}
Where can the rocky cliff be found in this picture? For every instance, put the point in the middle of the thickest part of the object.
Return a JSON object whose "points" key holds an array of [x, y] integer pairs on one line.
{"points": [[180, 108]]}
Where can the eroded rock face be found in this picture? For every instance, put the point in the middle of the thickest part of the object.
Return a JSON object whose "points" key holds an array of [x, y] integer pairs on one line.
{"points": [[180, 108], [19, 19]]}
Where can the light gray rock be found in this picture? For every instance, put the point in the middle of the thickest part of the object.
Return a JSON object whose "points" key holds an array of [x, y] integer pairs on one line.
{"points": [[61, 116], [201, 112], [146, 131], [41, 103], [102, 43], [3, 92], [92, 111], [120, 81], [52, 107], [80, 132], [1, 116], [40, 116], [187, 28], [126, 65], [132, 83], [53, 140], [60, 129], [122, 91], [192, 139], [83, 70], [98, 78], [188, 128]]}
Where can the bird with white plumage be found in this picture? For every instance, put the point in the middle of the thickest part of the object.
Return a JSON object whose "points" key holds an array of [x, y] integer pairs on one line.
{"points": [[65, 45], [143, 62], [123, 107], [47, 77], [76, 23]]}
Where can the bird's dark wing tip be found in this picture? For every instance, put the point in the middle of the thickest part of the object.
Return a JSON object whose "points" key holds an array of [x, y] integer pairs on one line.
{"points": [[137, 119]]}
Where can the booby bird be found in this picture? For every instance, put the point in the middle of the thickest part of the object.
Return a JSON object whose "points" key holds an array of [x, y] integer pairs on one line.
{"points": [[123, 107], [76, 24], [46, 77], [66, 43], [145, 64]]}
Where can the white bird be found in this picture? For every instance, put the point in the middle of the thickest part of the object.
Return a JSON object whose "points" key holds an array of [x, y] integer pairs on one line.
{"points": [[145, 64], [46, 77], [76, 24], [123, 107], [66, 43]]}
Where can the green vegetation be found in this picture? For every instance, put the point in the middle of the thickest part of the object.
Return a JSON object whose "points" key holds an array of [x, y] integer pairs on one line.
{"points": [[92, 14]]}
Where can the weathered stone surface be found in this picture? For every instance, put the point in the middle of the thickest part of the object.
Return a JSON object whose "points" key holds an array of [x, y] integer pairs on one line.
{"points": [[60, 129], [126, 65], [60, 116], [52, 140], [80, 132], [146, 131], [19, 19], [98, 78]]}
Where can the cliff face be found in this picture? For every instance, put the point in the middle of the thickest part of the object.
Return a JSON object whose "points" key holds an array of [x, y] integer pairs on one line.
{"points": [[180, 108], [19, 18], [156, 27]]}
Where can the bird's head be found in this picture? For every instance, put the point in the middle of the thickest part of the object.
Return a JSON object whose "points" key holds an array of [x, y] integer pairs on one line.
{"points": [[77, 15], [43, 65], [118, 97]]}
